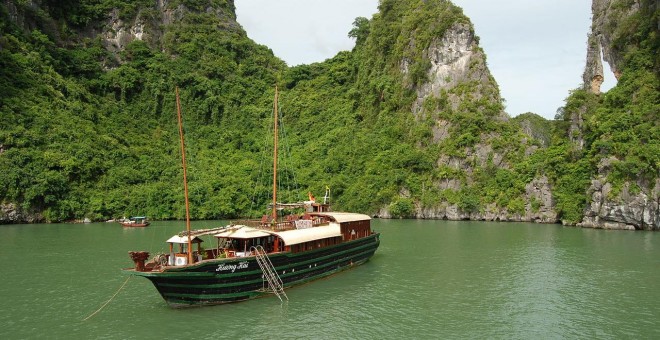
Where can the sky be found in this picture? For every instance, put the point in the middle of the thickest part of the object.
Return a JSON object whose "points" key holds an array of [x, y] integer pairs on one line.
{"points": [[536, 50]]}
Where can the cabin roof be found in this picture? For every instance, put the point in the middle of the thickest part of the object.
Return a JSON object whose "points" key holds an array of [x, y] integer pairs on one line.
{"points": [[184, 239], [342, 217], [291, 237], [241, 231]]}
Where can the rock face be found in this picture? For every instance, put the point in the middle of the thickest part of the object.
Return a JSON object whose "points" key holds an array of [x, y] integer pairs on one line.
{"points": [[577, 126], [10, 213], [150, 25], [635, 204], [539, 208], [458, 76], [119, 34], [115, 31], [593, 76], [606, 15], [455, 58], [631, 209]]}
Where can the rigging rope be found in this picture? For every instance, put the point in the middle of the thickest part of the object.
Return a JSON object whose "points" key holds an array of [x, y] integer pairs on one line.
{"points": [[107, 302], [289, 169], [287, 184], [258, 193]]}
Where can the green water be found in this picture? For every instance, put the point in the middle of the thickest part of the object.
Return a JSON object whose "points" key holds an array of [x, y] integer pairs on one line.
{"points": [[428, 279]]}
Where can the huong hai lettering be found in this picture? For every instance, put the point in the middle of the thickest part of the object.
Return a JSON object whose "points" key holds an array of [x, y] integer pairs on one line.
{"points": [[231, 267]]}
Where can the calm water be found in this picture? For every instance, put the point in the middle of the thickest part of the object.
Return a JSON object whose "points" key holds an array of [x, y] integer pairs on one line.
{"points": [[429, 279]]}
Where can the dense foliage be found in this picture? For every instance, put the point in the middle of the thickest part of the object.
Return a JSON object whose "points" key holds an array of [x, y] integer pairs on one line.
{"points": [[89, 133], [80, 140], [621, 131]]}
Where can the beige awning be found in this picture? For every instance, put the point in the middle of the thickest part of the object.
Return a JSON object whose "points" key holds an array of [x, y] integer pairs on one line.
{"points": [[291, 237], [342, 217], [184, 239], [241, 231]]}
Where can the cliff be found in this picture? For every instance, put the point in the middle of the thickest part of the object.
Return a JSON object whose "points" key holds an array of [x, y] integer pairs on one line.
{"points": [[117, 24], [427, 53], [621, 196], [410, 123], [617, 131], [634, 207]]}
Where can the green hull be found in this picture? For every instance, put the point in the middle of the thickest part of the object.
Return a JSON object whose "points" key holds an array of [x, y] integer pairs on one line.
{"points": [[220, 281]]}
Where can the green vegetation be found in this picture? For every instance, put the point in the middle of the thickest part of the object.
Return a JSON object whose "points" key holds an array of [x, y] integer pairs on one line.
{"points": [[535, 126], [80, 141], [620, 125], [88, 133]]}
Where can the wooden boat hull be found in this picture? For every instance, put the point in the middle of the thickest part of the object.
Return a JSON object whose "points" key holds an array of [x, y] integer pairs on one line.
{"points": [[135, 225], [236, 279]]}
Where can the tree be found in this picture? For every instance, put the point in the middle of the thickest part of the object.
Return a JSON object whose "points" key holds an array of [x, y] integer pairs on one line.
{"points": [[360, 30]]}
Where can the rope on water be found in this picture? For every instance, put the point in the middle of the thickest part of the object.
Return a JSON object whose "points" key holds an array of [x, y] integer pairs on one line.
{"points": [[107, 302]]}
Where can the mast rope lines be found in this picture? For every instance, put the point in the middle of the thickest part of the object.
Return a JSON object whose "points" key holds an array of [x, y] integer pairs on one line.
{"points": [[107, 302], [270, 275]]}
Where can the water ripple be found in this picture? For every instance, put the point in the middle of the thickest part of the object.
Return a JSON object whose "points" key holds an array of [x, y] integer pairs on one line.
{"points": [[429, 279]]}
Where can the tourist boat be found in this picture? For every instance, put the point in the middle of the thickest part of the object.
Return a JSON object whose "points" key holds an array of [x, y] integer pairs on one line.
{"points": [[137, 221], [255, 258]]}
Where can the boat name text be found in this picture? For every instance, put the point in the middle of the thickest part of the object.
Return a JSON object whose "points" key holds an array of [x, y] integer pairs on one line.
{"points": [[231, 267]]}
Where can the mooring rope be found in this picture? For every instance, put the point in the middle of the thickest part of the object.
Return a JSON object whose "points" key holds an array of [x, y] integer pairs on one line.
{"points": [[107, 302]]}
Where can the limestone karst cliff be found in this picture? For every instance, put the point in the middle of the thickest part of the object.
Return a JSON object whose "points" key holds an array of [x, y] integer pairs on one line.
{"points": [[455, 100], [625, 32], [410, 123]]}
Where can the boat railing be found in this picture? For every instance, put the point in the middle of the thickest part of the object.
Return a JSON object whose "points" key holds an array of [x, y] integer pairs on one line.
{"points": [[280, 225]]}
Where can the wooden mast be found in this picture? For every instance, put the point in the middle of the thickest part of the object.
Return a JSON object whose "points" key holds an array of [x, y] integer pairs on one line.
{"points": [[275, 117], [185, 179]]}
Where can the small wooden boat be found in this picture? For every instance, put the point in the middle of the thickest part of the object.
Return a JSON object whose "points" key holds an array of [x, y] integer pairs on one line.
{"points": [[137, 222]]}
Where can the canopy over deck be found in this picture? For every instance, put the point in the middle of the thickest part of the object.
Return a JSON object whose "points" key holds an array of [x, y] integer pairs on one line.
{"points": [[242, 232], [291, 237], [184, 239], [341, 217]]}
